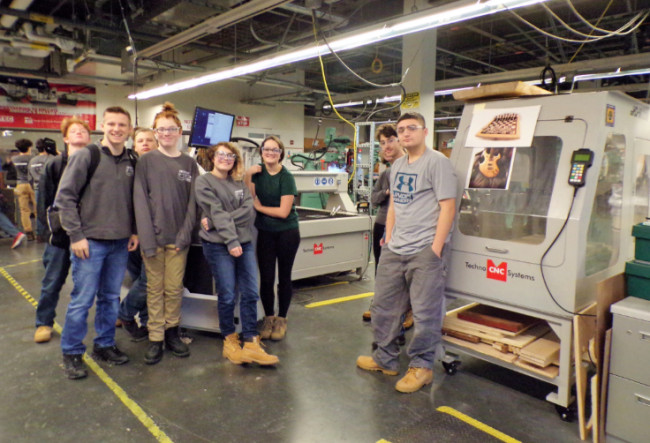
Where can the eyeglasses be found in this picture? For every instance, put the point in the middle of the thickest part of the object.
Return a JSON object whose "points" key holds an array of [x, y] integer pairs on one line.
{"points": [[271, 150], [226, 156], [386, 141], [411, 128], [172, 130]]}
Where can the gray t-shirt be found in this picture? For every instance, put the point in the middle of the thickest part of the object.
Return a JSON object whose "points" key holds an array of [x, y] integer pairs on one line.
{"points": [[163, 198], [36, 168], [417, 188], [21, 162]]}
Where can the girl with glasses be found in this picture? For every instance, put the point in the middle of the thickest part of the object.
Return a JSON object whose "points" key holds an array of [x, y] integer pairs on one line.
{"points": [[227, 246], [274, 191], [165, 212]]}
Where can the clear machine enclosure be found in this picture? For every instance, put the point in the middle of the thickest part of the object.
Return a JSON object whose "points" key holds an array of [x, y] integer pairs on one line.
{"points": [[522, 240]]}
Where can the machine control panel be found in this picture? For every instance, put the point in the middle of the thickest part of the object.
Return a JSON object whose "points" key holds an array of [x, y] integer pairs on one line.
{"points": [[581, 160]]}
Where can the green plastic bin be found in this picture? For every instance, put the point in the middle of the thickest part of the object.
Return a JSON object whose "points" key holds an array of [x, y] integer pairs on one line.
{"points": [[642, 243], [637, 275]]}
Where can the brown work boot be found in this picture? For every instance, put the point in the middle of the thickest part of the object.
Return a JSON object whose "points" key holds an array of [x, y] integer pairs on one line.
{"points": [[366, 315], [253, 352], [369, 364], [408, 319], [267, 327], [414, 379], [43, 334], [279, 328], [232, 349]]}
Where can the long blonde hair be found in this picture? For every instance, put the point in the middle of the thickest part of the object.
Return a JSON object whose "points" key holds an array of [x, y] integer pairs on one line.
{"points": [[237, 171]]}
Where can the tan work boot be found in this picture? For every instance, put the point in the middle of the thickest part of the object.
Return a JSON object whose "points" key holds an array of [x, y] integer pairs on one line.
{"points": [[408, 319], [43, 334], [369, 364], [267, 327], [414, 379], [366, 316], [232, 349], [253, 352], [279, 328]]}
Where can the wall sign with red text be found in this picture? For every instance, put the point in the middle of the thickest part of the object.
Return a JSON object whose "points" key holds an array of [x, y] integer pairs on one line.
{"points": [[37, 104]]}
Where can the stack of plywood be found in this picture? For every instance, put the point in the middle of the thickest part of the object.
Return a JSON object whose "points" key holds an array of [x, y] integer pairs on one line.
{"points": [[515, 338]]}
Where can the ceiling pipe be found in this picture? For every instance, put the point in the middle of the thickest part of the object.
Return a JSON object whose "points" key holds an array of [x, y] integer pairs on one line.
{"points": [[211, 26], [65, 45]]}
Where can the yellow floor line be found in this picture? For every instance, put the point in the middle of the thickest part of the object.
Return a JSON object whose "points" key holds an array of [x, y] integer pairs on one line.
{"points": [[339, 300], [135, 409], [477, 424], [13, 265]]}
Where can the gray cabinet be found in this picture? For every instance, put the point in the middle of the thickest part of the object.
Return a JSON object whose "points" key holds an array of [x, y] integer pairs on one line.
{"points": [[628, 405]]}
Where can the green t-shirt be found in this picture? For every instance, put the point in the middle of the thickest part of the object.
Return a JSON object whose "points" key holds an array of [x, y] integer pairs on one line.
{"points": [[270, 189]]}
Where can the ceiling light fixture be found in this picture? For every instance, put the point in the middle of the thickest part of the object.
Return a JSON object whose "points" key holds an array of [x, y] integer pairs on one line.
{"points": [[412, 23]]}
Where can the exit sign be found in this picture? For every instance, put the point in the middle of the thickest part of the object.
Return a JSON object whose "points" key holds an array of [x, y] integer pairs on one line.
{"points": [[243, 121]]}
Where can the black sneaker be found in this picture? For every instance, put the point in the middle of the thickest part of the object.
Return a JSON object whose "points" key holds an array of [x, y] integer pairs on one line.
{"points": [[74, 366], [137, 333], [154, 352], [175, 344], [110, 354]]}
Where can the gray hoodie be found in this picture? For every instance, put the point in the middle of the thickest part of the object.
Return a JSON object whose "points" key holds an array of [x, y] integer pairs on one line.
{"points": [[229, 206], [105, 211]]}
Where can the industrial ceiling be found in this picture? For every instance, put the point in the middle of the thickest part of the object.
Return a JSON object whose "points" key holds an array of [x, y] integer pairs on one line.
{"points": [[86, 41]]}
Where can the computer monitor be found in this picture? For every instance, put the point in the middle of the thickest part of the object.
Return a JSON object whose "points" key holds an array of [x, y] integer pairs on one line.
{"points": [[210, 127]]}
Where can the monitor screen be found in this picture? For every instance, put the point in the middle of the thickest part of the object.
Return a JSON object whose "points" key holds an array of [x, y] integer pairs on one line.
{"points": [[210, 127]]}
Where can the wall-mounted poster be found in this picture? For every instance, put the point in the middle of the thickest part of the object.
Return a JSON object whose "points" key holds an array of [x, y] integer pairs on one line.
{"points": [[37, 104], [503, 128], [491, 168]]}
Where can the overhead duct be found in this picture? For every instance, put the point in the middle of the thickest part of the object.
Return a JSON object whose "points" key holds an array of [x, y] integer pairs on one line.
{"points": [[66, 46], [211, 26], [7, 21]]}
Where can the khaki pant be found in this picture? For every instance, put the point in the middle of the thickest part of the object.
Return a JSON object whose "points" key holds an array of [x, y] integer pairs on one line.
{"points": [[165, 272], [26, 196]]}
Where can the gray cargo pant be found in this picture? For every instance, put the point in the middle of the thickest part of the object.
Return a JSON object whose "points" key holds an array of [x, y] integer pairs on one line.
{"points": [[420, 278]]}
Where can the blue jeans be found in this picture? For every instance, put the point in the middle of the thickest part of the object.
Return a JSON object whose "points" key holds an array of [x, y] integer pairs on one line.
{"points": [[136, 299], [57, 264], [230, 273], [100, 274], [7, 226]]}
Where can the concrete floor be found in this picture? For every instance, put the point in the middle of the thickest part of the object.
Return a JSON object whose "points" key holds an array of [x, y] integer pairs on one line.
{"points": [[315, 394]]}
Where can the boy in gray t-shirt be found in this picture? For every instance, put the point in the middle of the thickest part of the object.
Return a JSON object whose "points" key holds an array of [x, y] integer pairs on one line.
{"points": [[413, 266]]}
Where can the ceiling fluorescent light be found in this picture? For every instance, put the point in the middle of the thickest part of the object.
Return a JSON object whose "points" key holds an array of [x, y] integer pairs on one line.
{"points": [[412, 23], [617, 73]]}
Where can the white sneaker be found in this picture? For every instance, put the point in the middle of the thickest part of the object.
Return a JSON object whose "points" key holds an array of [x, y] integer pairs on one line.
{"points": [[20, 237]]}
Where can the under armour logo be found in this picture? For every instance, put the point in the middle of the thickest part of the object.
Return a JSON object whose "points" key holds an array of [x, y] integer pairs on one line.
{"points": [[405, 182]]}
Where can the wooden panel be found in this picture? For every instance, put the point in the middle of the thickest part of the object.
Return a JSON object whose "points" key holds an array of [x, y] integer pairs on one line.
{"points": [[543, 351], [509, 89], [498, 318], [482, 348]]}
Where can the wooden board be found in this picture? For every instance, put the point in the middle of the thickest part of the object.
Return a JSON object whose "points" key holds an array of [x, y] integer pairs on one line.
{"points": [[464, 325], [461, 335], [491, 335], [483, 348], [543, 351], [551, 371], [509, 89], [498, 318], [584, 329]]}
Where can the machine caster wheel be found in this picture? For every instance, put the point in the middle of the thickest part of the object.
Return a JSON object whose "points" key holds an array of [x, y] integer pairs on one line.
{"points": [[566, 414], [451, 368]]}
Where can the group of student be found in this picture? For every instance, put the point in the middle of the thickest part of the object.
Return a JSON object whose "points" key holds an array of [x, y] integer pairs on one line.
{"points": [[105, 195], [25, 170], [113, 203]]}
